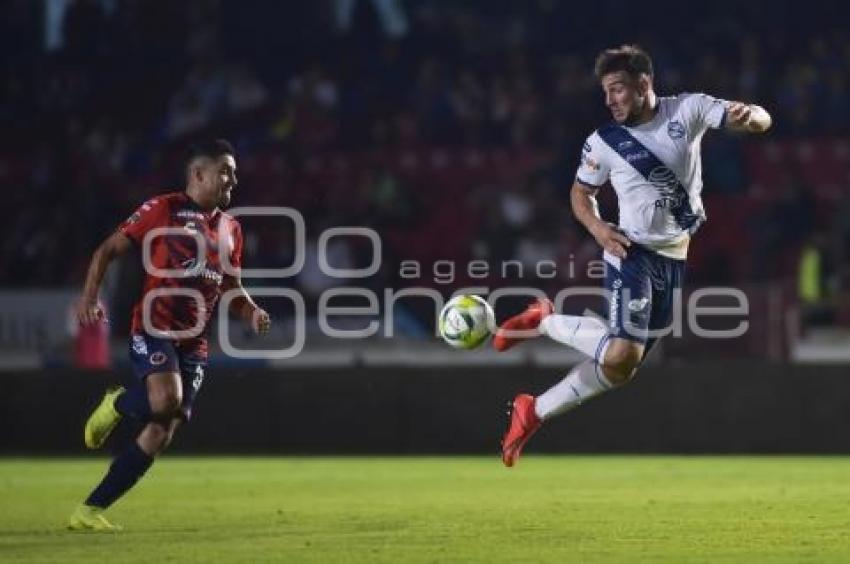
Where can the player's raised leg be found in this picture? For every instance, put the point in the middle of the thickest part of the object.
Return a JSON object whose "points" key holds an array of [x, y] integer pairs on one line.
{"points": [[523, 326], [583, 333], [116, 403], [589, 379], [103, 419], [585, 381], [165, 394], [614, 350]]}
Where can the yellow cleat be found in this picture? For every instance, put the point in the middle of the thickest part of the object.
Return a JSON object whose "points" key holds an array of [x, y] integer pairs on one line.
{"points": [[103, 419], [90, 518]]}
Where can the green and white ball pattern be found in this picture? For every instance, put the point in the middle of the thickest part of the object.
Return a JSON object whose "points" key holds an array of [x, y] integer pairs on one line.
{"points": [[465, 321]]}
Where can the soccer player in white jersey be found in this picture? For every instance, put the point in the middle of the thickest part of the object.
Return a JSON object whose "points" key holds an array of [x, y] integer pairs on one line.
{"points": [[650, 154]]}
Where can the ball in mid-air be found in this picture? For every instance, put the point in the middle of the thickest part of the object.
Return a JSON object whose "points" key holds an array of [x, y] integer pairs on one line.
{"points": [[466, 321]]}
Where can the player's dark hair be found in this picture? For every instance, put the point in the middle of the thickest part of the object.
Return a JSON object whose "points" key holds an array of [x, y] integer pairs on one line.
{"points": [[212, 148], [630, 59]]}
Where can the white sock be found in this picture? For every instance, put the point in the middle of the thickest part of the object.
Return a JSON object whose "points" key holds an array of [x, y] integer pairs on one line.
{"points": [[583, 382], [585, 334]]}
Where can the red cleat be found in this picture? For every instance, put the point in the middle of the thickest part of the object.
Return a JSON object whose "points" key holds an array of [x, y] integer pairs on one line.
{"points": [[528, 321], [524, 422]]}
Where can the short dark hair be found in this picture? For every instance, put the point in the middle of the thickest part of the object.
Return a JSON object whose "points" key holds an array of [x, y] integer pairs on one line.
{"points": [[212, 148], [630, 59]]}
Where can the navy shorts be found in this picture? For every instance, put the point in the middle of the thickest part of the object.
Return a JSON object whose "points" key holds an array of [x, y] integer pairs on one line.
{"points": [[152, 354], [641, 289]]}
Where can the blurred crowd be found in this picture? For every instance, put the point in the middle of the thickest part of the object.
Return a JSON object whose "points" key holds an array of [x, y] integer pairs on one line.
{"points": [[452, 128]]}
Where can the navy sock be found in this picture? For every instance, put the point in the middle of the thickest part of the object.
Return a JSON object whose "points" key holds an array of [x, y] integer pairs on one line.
{"points": [[123, 474], [134, 403]]}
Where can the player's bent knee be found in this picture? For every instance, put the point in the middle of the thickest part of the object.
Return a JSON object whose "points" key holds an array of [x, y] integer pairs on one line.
{"points": [[622, 360], [164, 406], [169, 433], [156, 436]]}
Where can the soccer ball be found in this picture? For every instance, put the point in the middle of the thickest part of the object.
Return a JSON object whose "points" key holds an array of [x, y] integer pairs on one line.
{"points": [[465, 321]]}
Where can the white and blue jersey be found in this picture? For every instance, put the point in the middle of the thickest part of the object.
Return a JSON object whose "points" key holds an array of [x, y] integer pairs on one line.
{"points": [[656, 170]]}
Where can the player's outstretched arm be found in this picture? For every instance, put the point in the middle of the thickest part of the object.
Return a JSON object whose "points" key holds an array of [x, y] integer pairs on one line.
{"points": [[88, 310], [747, 117], [243, 307], [586, 210]]}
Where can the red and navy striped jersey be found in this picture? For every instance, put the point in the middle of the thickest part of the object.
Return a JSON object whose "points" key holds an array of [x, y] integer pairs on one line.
{"points": [[176, 250]]}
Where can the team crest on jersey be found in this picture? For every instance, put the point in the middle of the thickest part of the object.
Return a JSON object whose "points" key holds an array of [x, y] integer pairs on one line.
{"points": [[158, 358], [586, 147], [675, 129], [134, 218]]}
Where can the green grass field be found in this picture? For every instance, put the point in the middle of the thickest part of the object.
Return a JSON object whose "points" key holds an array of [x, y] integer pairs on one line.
{"points": [[548, 509]]}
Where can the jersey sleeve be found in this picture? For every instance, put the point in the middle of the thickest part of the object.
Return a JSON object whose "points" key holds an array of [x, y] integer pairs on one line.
{"points": [[593, 171], [703, 111], [153, 213]]}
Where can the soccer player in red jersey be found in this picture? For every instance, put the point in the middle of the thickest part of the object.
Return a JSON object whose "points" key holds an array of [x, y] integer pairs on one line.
{"points": [[186, 240]]}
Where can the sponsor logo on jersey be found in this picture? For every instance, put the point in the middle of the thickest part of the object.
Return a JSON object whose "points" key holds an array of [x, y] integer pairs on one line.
{"points": [[614, 306], [638, 304], [664, 180], [206, 273], [134, 218], [624, 145], [189, 214], [637, 155], [664, 203], [675, 129], [199, 378], [139, 345], [158, 358]]}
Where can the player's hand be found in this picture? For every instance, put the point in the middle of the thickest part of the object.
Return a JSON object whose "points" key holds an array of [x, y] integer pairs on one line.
{"points": [[89, 312], [738, 115], [260, 321], [611, 239]]}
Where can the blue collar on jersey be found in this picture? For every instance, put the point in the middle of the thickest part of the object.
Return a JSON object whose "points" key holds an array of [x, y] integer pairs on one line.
{"points": [[654, 171]]}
